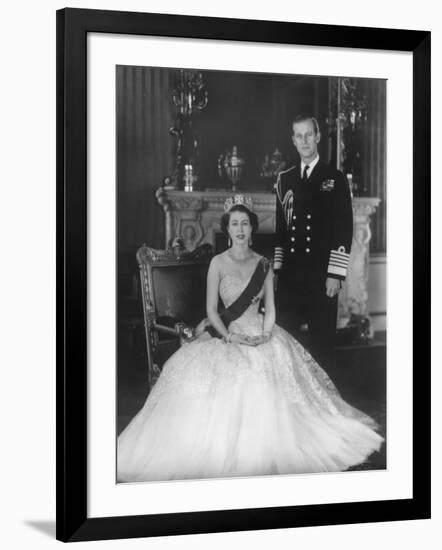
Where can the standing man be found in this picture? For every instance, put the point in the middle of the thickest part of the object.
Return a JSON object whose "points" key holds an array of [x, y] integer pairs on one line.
{"points": [[314, 228]]}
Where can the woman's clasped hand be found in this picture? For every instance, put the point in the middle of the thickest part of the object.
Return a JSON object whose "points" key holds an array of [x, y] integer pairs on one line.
{"points": [[235, 338]]}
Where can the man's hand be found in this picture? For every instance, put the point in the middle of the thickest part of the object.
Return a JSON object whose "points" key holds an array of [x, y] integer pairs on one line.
{"points": [[275, 280], [332, 286]]}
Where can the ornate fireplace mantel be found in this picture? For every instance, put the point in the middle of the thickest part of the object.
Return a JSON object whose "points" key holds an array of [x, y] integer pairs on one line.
{"points": [[195, 218]]}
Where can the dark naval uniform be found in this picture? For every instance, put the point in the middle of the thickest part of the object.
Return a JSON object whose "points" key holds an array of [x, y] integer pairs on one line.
{"points": [[314, 228]]}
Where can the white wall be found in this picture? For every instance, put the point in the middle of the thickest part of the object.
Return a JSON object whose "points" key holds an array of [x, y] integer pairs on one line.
{"points": [[27, 302]]}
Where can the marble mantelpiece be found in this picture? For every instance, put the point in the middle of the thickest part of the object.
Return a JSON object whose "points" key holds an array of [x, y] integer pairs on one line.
{"points": [[195, 218]]}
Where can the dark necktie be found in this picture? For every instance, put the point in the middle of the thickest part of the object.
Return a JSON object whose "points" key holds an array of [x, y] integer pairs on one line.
{"points": [[304, 173]]}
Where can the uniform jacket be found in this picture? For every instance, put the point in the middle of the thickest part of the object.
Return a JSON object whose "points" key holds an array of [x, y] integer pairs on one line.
{"points": [[314, 222]]}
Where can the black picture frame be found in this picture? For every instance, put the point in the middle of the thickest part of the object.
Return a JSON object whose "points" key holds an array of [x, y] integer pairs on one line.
{"points": [[73, 25]]}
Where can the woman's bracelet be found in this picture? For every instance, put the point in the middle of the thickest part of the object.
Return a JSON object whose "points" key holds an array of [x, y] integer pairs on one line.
{"points": [[228, 337]]}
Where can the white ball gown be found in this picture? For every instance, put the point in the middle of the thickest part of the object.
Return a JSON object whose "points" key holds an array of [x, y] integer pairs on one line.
{"points": [[224, 410]]}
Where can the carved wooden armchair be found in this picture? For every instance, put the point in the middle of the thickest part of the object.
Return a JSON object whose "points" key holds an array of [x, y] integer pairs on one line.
{"points": [[173, 292]]}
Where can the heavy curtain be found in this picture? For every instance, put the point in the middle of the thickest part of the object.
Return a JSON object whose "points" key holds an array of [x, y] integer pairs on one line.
{"points": [[145, 153]]}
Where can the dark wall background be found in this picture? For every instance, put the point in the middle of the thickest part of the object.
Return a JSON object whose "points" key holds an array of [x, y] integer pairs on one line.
{"points": [[145, 152], [252, 111]]}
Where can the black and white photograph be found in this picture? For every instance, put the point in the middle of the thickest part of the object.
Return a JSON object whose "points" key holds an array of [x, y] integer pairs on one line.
{"points": [[242, 260], [220, 280], [251, 274]]}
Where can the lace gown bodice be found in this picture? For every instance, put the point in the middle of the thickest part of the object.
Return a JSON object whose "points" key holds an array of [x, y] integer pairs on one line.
{"points": [[251, 321]]}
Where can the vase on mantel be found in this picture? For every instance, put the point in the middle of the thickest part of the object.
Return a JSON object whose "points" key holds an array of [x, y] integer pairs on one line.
{"points": [[230, 166]]}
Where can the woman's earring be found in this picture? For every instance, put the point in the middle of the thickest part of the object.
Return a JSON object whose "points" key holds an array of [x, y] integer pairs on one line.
{"points": [[250, 241], [229, 242]]}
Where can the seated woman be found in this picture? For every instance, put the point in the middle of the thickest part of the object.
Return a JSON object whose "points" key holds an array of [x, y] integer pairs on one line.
{"points": [[244, 398]]}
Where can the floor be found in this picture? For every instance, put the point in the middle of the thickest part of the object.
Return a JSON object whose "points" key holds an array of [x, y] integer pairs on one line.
{"points": [[360, 376]]}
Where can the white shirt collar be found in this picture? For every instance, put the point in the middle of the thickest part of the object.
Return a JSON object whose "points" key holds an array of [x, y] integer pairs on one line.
{"points": [[311, 165]]}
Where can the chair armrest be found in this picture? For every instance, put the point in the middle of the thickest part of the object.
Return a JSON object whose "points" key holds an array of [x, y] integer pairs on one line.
{"points": [[183, 331], [166, 330]]}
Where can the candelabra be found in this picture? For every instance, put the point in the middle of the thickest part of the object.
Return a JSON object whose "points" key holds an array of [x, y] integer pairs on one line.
{"points": [[347, 109], [190, 97]]}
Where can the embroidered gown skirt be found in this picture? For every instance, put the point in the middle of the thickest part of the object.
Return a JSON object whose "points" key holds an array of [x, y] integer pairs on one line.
{"points": [[224, 410]]}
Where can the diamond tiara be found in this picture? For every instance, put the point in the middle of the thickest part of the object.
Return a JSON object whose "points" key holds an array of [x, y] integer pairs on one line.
{"points": [[238, 199]]}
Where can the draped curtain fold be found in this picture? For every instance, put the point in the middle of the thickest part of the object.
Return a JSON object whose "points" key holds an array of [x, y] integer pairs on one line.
{"points": [[145, 152], [373, 157]]}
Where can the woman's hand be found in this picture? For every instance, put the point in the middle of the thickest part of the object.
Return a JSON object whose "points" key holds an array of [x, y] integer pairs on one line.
{"points": [[261, 339], [242, 339], [200, 329], [249, 340], [266, 337]]}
